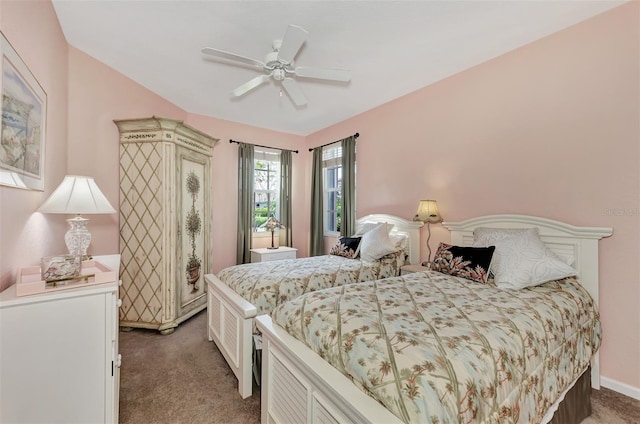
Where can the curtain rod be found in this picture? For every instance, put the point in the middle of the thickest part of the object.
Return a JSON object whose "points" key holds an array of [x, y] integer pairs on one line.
{"points": [[259, 145], [356, 135]]}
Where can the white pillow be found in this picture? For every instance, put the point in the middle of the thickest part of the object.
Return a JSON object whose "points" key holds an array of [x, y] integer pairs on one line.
{"points": [[398, 239], [491, 235], [521, 259], [368, 226], [568, 259], [376, 244]]}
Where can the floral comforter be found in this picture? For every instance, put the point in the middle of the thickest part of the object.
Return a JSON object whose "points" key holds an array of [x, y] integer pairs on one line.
{"points": [[267, 284], [439, 349]]}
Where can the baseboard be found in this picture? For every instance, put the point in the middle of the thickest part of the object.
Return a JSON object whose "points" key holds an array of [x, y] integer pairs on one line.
{"points": [[616, 386]]}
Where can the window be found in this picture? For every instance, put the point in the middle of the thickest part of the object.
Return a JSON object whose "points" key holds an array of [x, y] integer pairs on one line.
{"points": [[266, 187], [332, 187]]}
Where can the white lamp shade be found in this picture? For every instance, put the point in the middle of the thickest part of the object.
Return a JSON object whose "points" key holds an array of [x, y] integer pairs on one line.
{"points": [[428, 212], [77, 195]]}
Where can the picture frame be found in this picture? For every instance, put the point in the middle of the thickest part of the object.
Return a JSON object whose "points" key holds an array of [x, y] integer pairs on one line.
{"points": [[23, 126]]}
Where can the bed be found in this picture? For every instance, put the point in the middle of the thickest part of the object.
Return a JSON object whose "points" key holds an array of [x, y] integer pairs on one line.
{"points": [[298, 385], [230, 315]]}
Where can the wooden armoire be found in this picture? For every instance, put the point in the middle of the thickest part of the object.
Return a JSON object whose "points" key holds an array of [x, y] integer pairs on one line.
{"points": [[165, 221]]}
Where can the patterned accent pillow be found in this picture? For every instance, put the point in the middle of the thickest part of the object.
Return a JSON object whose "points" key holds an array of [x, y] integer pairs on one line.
{"points": [[471, 263], [348, 247]]}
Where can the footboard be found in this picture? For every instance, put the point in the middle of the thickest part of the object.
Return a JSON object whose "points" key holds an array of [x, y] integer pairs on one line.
{"points": [[298, 386], [230, 326]]}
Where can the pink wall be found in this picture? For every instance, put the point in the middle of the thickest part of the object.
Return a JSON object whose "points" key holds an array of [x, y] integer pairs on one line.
{"points": [[98, 95], [551, 129], [45, 53]]}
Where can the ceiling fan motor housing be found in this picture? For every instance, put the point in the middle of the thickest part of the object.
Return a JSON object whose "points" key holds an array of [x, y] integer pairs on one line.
{"points": [[271, 60], [279, 68]]}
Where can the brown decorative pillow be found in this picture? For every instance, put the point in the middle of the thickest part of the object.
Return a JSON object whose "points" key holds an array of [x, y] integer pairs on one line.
{"points": [[349, 247], [471, 263]]}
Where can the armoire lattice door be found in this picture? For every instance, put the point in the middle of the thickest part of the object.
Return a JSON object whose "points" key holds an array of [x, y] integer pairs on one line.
{"points": [[165, 221]]}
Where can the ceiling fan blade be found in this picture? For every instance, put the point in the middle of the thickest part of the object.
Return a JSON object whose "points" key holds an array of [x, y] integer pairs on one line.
{"points": [[232, 56], [324, 74], [293, 39], [250, 85], [293, 90]]}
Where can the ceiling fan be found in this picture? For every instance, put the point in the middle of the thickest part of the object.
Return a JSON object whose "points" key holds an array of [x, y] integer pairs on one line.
{"points": [[279, 65]]}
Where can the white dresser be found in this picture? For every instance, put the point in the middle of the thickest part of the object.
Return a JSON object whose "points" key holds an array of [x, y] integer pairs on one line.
{"points": [[165, 221], [265, 254], [59, 360]]}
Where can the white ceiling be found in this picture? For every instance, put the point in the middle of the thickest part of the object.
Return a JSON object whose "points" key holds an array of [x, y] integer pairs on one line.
{"points": [[391, 47]]}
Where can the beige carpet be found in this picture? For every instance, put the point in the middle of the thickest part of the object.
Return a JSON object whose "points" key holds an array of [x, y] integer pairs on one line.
{"points": [[183, 378]]}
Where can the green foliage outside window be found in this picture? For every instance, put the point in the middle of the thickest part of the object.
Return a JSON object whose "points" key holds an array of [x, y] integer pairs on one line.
{"points": [[265, 192], [262, 214]]}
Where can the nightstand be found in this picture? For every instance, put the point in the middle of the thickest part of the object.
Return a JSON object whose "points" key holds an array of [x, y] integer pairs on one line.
{"points": [[59, 351], [264, 254], [408, 269]]}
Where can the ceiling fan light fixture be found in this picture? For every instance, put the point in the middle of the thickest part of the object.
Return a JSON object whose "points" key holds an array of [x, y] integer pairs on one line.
{"points": [[278, 74]]}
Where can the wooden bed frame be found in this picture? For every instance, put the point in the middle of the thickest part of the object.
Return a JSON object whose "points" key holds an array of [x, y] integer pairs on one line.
{"points": [[298, 386], [230, 317]]}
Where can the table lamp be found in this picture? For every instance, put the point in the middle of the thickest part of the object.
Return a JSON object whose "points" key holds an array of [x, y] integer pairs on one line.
{"points": [[77, 195], [428, 212], [272, 224]]}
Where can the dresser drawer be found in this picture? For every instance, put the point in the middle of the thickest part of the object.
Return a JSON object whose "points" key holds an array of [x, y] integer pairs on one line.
{"points": [[265, 254]]}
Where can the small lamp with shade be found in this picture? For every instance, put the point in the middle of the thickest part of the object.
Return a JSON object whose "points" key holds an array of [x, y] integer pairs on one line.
{"points": [[271, 224], [428, 213], [78, 195]]}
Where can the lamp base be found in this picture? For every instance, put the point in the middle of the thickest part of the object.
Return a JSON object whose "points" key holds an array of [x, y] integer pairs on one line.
{"points": [[273, 245], [78, 237]]}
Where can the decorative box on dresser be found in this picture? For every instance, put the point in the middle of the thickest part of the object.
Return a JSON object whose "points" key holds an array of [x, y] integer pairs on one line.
{"points": [[59, 360], [165, 221]]}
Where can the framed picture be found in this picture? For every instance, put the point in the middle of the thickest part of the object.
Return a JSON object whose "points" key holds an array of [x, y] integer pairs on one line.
{"points": [[24, 112]]}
